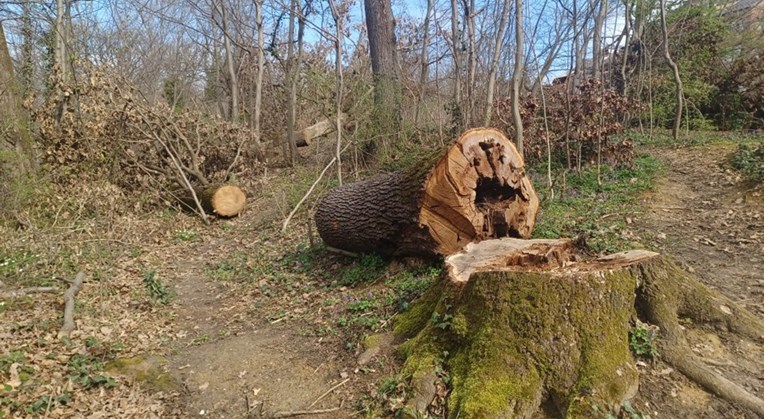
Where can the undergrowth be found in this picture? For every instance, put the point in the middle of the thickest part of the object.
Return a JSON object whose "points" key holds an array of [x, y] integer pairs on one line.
{"points": [[748, 160], [599, 211]]}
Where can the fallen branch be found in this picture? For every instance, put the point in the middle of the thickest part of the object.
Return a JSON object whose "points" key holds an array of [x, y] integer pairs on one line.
{"points": [[304, 412], [303, 138], [307, 194], [69, 295], [341, 251], [26, 291], [328, 391]]}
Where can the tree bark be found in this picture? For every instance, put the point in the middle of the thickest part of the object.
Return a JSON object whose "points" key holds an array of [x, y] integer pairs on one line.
{"points": [[475, 190], [521, 324], [381, 29]]}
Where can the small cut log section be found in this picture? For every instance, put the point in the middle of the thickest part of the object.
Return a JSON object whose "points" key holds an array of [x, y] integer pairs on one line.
{"points": [[476, 190], [221, 200]]}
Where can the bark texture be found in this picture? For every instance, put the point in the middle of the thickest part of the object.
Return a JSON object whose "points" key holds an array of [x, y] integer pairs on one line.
{"points": [[475, 190], [529, 326]]}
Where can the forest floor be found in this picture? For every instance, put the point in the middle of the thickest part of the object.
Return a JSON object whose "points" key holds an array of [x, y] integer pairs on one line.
{"points": [[238, 320]]}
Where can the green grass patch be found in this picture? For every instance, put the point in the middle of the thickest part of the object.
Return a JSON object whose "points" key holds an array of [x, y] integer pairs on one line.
{"points": [[748, 159], [583, 206], [155, 288], [366, 268]]}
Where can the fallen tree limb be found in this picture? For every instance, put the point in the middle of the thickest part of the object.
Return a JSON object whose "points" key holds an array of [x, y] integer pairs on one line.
{"points": [[304, 412], [310, 190], [69, 295], [475, 190], [335, 387], [26, 291], [325, 126]]}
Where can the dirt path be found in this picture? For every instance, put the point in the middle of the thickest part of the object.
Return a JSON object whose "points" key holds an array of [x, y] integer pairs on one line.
{"points": [[711, 221], [235, 359], [230, 361]]}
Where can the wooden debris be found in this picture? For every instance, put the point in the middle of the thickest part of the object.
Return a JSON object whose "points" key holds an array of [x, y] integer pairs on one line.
{"points": [[225, 200], [304, 137], [69, 295]]}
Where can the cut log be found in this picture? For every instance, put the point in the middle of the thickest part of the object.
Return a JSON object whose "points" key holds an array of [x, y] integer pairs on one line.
{"points": [[477, 189], [222, 200], [525, 326], [304, 137]]}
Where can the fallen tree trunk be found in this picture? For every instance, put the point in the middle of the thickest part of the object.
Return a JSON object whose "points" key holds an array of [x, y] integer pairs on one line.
{"points": [[477, 189], [304, 137], [222, 200], [522, 326]]}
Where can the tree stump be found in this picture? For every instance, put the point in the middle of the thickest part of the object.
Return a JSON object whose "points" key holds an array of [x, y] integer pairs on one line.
{"points": [[522, 326], [476, 190]]}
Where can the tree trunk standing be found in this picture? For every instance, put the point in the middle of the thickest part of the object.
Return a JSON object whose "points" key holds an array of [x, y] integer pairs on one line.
{"points": [[518, 76], [338, 16], [495, 62], [521, 324], [457, 117], [381, 29], [16, 147], [423, 63], [61, 55], [472, 62], [259, 77], [478, 189], [27, 59], [675, 71], [233, 80], [597, 47], [289, 145]]}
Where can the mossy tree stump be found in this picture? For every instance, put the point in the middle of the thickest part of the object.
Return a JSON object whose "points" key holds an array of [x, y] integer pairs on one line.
{"points": [[527, 325]]}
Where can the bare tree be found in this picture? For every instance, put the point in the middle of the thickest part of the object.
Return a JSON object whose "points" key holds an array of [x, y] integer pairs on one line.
{"points": [[338, 15], [597, 47], [675, 71], [495, 62], [472, 62], [382, 52], [16, 147], [423, 62], [457, 54], [518, 75], [230, 65], [260, 68]]}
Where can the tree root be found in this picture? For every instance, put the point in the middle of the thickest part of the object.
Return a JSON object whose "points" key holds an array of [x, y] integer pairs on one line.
{"points": [[667, 292]]}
